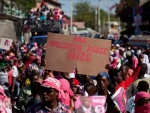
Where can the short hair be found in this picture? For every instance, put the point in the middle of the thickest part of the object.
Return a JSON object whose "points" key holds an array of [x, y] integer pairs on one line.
{"points": [[143, 65], [89, 86], [143, 86], [35, 73], [35, 88]]}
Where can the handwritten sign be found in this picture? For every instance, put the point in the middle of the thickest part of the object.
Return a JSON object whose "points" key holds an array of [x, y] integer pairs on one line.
{"points": [[65, 53], [5, 43]]}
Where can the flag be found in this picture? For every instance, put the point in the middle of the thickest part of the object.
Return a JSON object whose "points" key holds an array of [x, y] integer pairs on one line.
{"points": [[112, 7]]}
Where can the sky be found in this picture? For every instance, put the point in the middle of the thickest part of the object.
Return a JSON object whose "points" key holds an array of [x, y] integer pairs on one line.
{"points": [[104, 4]]}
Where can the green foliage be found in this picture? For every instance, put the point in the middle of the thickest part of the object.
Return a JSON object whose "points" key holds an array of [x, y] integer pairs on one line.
{"points": [[85, 12], [25, 5], [124, 10]]}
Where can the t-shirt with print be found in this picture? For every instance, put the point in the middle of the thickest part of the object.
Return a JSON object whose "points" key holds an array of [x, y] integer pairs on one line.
{"points": [[130, 104]]}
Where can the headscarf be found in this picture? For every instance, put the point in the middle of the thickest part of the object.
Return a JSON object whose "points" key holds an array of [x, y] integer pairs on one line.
{"points": [[65, 86], [54, 83], [114, 63], [35, 44], [144, 108], [7, 58], [104, 74], [134, 62]]}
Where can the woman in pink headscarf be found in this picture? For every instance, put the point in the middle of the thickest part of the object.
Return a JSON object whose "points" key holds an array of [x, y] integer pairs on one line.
{"points": [[51, 96], [65, 86], [142, 102], [114, 63]]}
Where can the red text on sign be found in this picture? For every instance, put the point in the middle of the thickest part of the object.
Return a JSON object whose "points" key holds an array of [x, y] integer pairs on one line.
{"points": [[81, 56], [79, 39], [98, 50], [65, 45]]}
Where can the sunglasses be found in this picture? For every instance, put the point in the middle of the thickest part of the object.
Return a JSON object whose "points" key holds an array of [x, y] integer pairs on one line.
{"points": [[47, 90]]}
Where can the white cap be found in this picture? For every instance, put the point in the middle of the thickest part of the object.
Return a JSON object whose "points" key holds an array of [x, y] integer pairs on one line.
{"points": [[117, 45], [72, 75]]}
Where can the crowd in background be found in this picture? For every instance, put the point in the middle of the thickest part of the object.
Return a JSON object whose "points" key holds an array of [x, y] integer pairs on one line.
{"points": [[32, 89], [45, 15], [27, 87]]}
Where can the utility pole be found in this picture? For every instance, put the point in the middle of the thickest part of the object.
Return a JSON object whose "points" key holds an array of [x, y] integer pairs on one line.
{"points": [[96, 19], [70, 16], [109, 19], [99, 21]]}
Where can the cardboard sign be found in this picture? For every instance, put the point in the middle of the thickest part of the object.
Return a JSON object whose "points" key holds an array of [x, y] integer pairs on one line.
{"points": [[91, 104], [65, 53], [5, 43]]}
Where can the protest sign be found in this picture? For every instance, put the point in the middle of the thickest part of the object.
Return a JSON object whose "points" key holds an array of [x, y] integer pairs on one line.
{"points": [[120, 99], [5, 43], [65, 53], [91, 104]]}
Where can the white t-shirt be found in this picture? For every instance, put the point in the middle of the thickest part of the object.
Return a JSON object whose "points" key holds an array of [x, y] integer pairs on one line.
{"points": [[130, 104], [15, 71], [147, 76]]}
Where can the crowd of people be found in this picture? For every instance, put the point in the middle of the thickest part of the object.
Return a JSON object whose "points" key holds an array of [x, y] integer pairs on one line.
{"points": [[26, 85], [44, 15]]}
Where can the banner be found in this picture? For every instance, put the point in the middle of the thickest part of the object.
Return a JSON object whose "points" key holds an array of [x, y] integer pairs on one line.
{"points": [[120, 99], [5, 43], [91, 104], [66, 53]]}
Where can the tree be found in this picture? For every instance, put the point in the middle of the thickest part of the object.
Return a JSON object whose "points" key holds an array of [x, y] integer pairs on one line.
{"points": [[25, 5], [124, 10], [85, 12]]}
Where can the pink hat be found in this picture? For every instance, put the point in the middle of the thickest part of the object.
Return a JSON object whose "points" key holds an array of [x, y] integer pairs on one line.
{"points": [[7, 57], [54, 83], [65, 86], [35, 44], [140, 95]]}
